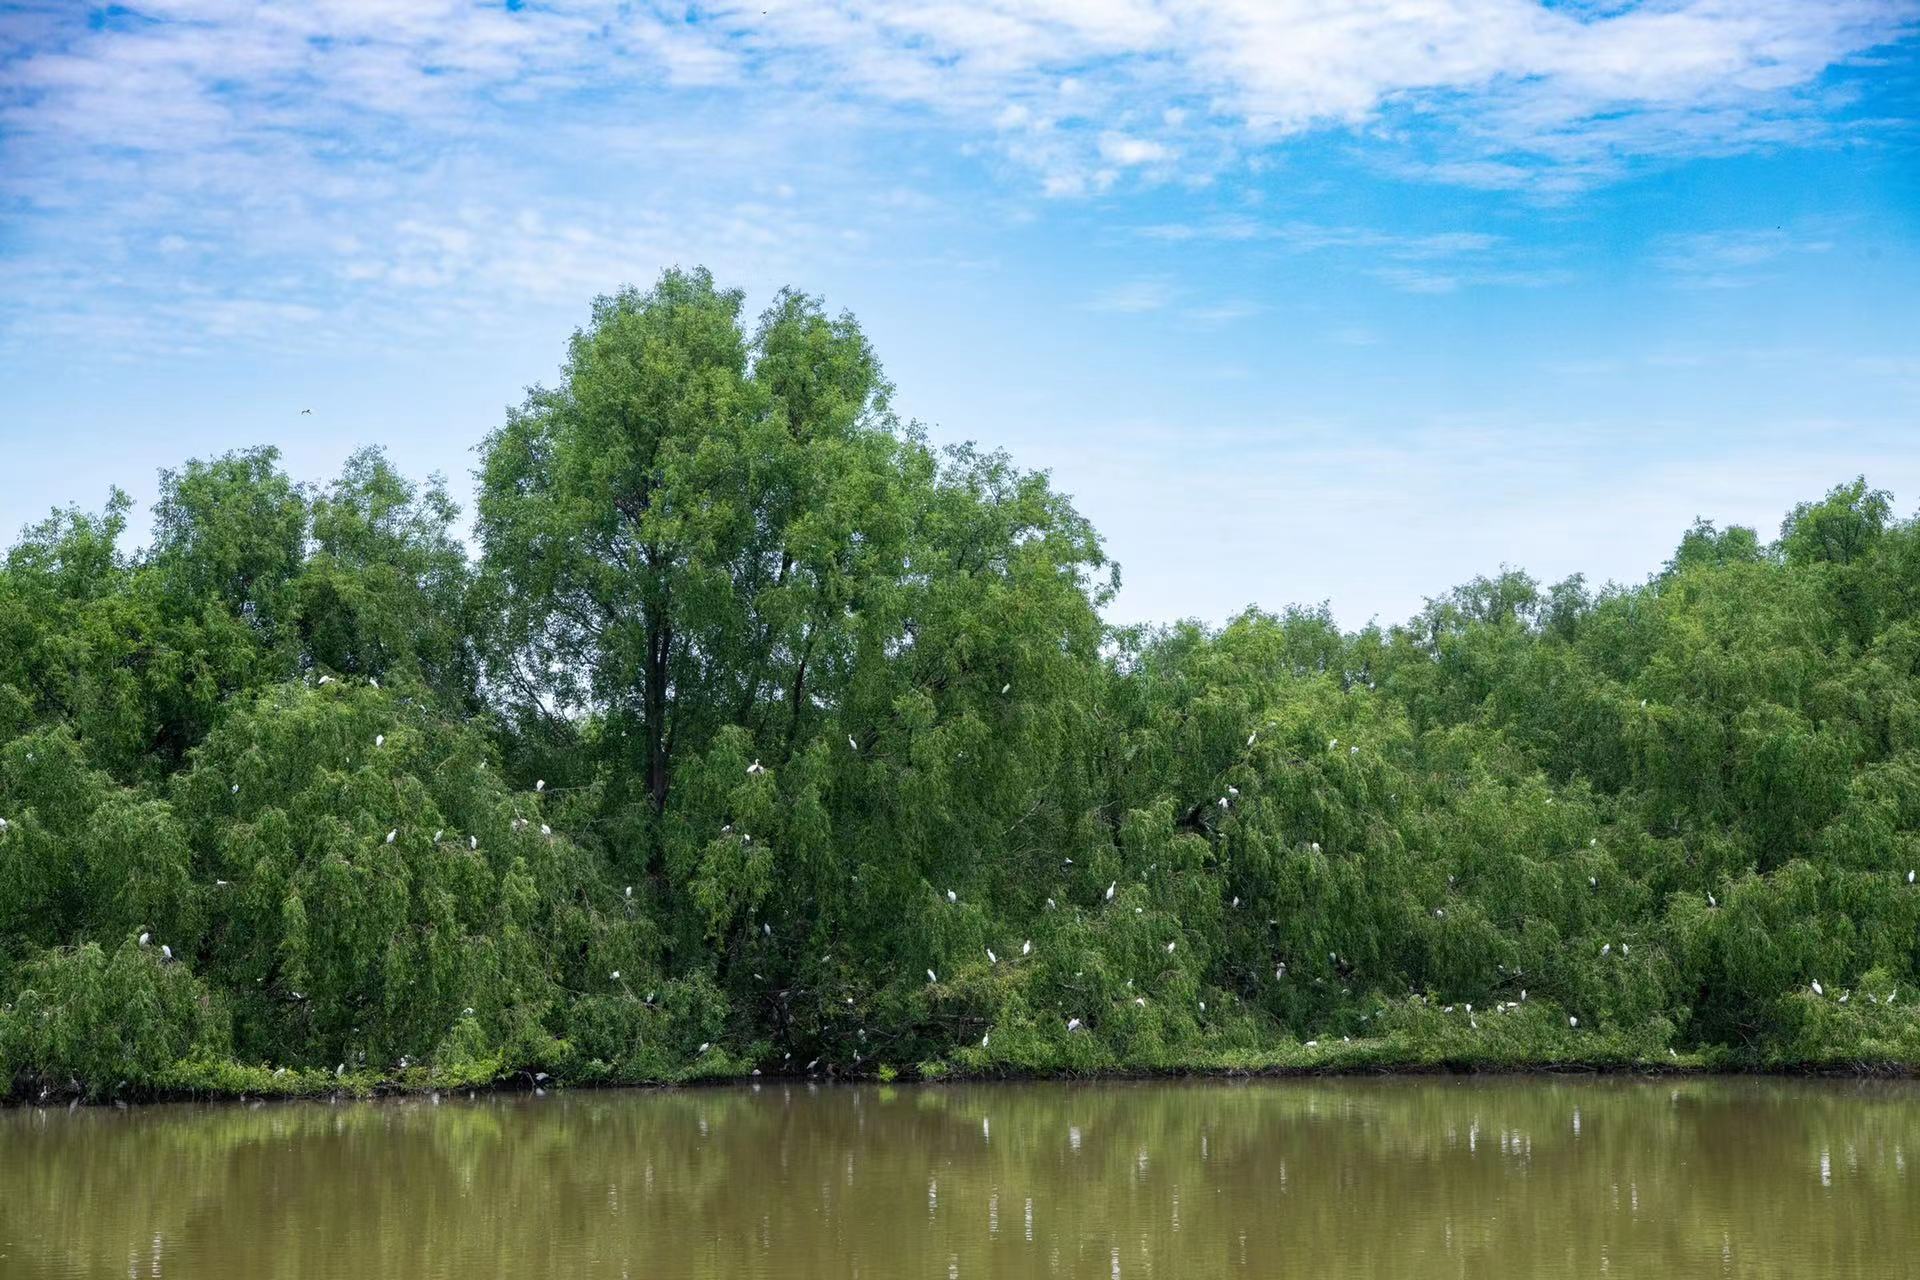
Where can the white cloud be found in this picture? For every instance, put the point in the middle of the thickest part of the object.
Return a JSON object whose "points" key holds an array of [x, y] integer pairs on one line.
{"points": [[1731, 259], [335, 145], [1134, 297], [1122, 149]]}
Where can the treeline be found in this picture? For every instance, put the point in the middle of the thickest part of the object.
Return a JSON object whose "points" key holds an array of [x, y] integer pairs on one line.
{"points": [[756, 734]]}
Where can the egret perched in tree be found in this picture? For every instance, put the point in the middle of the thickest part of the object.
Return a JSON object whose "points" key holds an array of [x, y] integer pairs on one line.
{"points": [[756, 767], [932, 977], [375, 683], [1026, 948], [545, 830], [392, 835], [1110, 888], [1252, 736], [1052, 905], [1169, 948], [985, 1038], [1711, 900], [1909, 877], [145, 938], [166, 952], [1332, 743], [852, 743], [1572, 1021], [539, 784], [326, 679], [705, 1045], [234, 790], [1818, 989], [1315, 846], [616, 975], [1223, 802], [473, 842], [992, 958], [438, 834], [766, 928], [1073, 1024], [379, 739], [952, 896], [1606, 949]]}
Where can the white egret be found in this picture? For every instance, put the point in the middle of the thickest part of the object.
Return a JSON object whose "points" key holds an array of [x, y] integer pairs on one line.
{"points": [[1073, 1024], [438, 834], [766, 928], [852, 743], [1170, 948], [1818, 989], [756, 767], [1315, 846], [545, 830], [1606, 949], [992, 958], [1110, 888], [952, 896], [616, 975], [1052, 905], [375, 683], [166, 952], [1006, 688], [473, 842], [234, 790], [392, 835], [1572, 1021], [539, 784], [326, 679], [145, 938], [932, 977], [379, 739], [985, 1038], [1251, 737], [1026, 948]]}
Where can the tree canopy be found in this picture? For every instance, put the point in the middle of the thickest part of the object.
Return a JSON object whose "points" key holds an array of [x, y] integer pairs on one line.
{"points": [[754, 732]]}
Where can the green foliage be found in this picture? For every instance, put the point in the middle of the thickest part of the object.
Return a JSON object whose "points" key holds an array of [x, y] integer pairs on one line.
{"points": [[761, 735]]}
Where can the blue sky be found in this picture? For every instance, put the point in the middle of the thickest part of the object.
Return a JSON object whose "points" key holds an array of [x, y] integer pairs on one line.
{"points": [[1301, 300]]}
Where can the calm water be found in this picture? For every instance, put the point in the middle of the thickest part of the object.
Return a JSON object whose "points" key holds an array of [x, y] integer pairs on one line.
{"points": [[1416, 1178]]}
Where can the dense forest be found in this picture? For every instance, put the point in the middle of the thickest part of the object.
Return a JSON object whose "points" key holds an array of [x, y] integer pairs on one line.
{"points": [[752, 733]]}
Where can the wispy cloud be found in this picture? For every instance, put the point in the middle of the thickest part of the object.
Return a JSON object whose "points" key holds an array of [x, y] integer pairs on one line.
{"points": [[317, 151], [1732, 259], [1134, 297]]}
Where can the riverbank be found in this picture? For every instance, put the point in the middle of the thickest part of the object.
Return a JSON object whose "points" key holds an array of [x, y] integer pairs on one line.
{"points": [[239, 1082]]}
